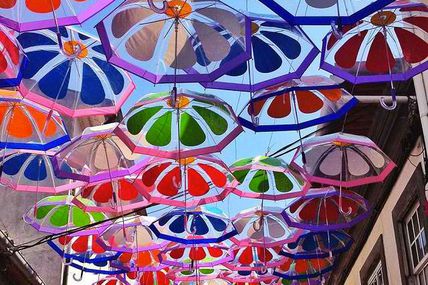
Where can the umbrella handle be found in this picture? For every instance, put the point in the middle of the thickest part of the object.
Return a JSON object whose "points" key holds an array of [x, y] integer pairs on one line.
{"points": [[343, 212], [394, 101], [156, 9], [80, 278], [336, 30], [191, 232]]}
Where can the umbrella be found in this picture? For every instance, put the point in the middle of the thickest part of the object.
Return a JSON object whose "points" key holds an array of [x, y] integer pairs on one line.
{"points": [[12, 59], [297, 104], [27, 15], [254, 258], [98, 155], [324, 12], [202, 225], [148, 277], [186, 124], [202, 276], [56, 214], [141, 261], [280, 52], [115, 196], [294, 269], [27, 125], [188, 41], [390, 45], [267, 178], [327, 209], [33, 171], [110, 280], [303, 281], [82, 247], [131, 234], [250, 277], [187, 182], [318, 245], [263, 227], [196, 256], [342, 160], [73, 78]]}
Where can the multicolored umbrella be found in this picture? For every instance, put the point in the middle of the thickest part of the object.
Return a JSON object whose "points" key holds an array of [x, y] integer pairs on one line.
{"points": [[82, 247], [33, 171], [342, 160], [141, 261], [188, 41], [196, 256], [250, 277], [304, 281], [72, 77], [57, 214], [202, 225], [255, 258], [324, 12], [187, 182], [115, 196], [141, 278], [280, 52], [267, 178], [294, 269], [131, 234], [98, 155], [202, 276], [318, 245], [327, 209], [27, 125], [390, 45], [263, 227], [110, 280], [28, 15], [178, 126], [12, 59], [297, 104]]}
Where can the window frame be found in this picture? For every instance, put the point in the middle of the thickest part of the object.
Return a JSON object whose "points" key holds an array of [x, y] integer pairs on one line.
{"points": [[374, 274], [376, 257]]}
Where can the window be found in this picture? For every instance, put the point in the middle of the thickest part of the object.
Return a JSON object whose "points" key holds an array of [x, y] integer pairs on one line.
{"points": [[376, 278], [417, 246]]}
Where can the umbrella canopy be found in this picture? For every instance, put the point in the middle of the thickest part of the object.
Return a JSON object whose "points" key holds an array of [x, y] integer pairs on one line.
{"points": [[255, 258], [98, 155], [148, 277], [83, 247], [131, 234], [196, 256], [73, 78], [12, 59], [33, 171], [27, 125], [28, 15], [303, 281], [324, 12], [191, 41], [202, 276], [342, 160], [56, 214], [280, 52], [141, 261], [187, 182], [389, 45], [297, 104], [178, 126], [115, 196], [327, 209], [267, 178], [263, 227], [294, 269], [110, 280], [202, 225], [250, 277], [318, 245]]}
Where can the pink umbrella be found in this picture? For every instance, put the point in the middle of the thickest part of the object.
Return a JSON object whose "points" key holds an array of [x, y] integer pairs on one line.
{"points": [[250, 277]]}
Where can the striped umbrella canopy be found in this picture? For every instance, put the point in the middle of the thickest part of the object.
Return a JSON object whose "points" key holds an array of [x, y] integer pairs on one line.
{"points": [[202, 225], [142, 261], [28, 125], [188, 41], [327, 209], [188, 182], [280, 52], [33, 171], [255, 258], [57, 214], [263, 227], [12, 59], [267, 178], [295, 269], [25, 15], [324, 12], [131, 234], [149, 277], [179, 125], [73, 76], [296, 105], [109, 280]]}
